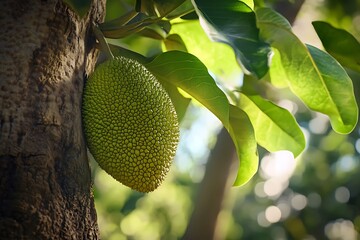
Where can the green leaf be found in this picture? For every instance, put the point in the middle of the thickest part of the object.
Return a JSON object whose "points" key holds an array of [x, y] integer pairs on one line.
{"points": [[275, 128], [81, 7], [180, 102], [174, 42], [185, 8], [218, 58], [185, 71], [152, 32], [120, 51], [340, 44], [121, 21], [277, 72], [117, 29], [234, 23], [242, 133], [164, 7], [159, 8], [250, 3], [344, 113], [314, 76]]}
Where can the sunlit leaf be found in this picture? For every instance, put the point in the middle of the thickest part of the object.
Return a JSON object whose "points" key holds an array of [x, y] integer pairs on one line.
{"points": [[242, 133], [250, 3], [180, 102], [340, 44], [185, 71], [234, 23], [218, 58], [340, 89], [275, 128], [277, 72], [314, 76]]}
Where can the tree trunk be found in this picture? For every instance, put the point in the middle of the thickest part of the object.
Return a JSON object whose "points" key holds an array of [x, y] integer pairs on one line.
{"points": [[219, 177], [45, 183]]}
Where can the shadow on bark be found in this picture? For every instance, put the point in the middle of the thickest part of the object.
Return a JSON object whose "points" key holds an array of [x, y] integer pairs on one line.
{"points": [[45, 182]]}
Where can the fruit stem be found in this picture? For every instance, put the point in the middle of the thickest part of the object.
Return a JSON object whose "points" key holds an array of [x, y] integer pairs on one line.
{"points": [[102, 41]]}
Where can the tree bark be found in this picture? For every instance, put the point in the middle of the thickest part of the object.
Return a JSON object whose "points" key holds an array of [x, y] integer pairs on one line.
{"points": [[45, 183]]}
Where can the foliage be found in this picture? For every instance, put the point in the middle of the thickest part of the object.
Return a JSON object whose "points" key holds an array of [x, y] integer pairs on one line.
{"points": [[266, 49], [172, 40]]}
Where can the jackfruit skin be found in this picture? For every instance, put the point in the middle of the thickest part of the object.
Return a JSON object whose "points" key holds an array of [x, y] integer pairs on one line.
{"points": [[130, 123]]}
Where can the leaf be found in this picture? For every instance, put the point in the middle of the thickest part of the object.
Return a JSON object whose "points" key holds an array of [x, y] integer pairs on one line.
{"points": [[242, 133], [152, 32], [120, 51], [185, 71], [250, 3], [341, 91], [158, 30], [81, 7], [234, 23], [185, 8], [120, 21], [159, 8], [174, 42], [180, 102], [275, 128], [164, 7], [314, 76], [340, 44], [218, 58], [277, 72], [116, 28]]}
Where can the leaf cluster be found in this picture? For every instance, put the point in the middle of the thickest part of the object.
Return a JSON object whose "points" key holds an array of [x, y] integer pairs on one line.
{"points": [[267, 51]]}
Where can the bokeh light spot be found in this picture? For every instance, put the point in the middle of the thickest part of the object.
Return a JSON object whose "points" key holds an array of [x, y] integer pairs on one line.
{"points": [[298, 202], [273, 214], [357, 145], [262, 221], [341, 229], [342, 194]]}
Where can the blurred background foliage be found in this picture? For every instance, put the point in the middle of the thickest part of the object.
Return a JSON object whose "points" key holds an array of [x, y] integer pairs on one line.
{"points": [[316, 196]]}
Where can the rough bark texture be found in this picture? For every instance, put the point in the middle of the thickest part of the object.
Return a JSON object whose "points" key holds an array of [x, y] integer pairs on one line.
{"points": [[45, 182]]}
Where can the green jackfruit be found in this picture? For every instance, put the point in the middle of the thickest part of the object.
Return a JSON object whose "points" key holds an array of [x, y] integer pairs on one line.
{"points": [[130, 123]]}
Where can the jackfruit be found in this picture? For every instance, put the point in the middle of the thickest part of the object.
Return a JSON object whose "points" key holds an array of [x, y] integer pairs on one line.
{"points": [[130, 123]]}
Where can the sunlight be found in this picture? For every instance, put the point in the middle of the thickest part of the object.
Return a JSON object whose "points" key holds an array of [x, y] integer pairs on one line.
{"points": [[276, 168], [299, 202], [341, 229], [342, 194], [273, 214], [278, 165]]}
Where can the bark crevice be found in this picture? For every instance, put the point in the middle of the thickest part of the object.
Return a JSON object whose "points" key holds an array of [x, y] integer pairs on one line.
{"points": [[45, 182]]}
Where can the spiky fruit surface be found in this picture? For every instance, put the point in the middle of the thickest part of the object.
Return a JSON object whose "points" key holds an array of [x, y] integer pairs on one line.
{"points": [[130, 123]]}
